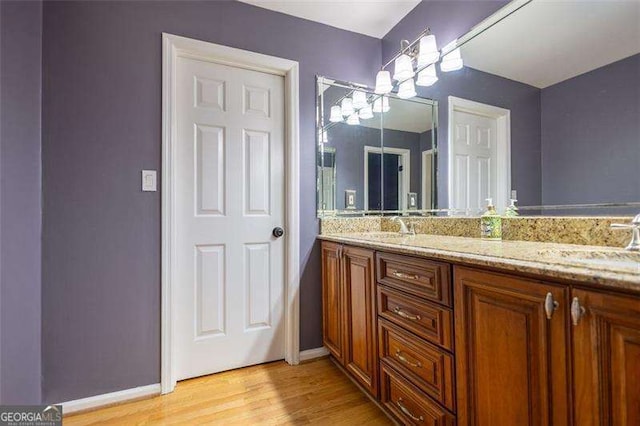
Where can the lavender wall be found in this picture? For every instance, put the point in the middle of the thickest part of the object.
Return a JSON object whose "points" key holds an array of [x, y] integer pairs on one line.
{"points": [[449, 20], [101, 126], [591, 136], [20, 207]]}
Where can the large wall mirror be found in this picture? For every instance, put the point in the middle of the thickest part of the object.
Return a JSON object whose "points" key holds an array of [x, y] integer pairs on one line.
{"points": [[546, 109], [383, 161]]}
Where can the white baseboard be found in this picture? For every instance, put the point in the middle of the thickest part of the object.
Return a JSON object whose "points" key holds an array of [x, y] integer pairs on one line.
{"points": [[109, 398], [313, 353]]}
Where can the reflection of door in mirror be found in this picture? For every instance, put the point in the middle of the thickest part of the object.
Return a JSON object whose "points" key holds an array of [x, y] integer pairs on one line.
{"points": [[327, 178], [479, 159], [393, 187]]}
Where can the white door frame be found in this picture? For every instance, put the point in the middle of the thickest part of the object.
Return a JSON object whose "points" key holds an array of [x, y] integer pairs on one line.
{"points": [[405, 156], [173, 47], [427, 156], [503, 140]]}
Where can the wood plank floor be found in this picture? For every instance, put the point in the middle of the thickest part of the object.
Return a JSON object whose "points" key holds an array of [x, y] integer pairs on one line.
{"points": [[315, 393]]}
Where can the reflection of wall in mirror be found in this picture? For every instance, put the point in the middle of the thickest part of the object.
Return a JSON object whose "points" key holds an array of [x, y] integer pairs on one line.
{"points": [[350, 141], [591, 136]]}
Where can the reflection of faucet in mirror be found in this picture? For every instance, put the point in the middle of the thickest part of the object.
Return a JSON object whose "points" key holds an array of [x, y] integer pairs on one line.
{"points": [[403, 227], [634, 245]]}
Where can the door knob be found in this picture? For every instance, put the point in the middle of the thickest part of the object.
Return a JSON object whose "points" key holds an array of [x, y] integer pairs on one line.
{"points": [[278, 232]]}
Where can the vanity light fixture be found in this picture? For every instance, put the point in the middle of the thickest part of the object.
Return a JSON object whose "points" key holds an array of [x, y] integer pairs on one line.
{"points": [[336, 114], [424, 51], [381, 104], [347, 107]]}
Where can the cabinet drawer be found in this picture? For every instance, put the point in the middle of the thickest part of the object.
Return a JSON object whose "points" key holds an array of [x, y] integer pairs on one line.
{"points": [[430, 321], [425, 365], [408, 404], [424, 278]]}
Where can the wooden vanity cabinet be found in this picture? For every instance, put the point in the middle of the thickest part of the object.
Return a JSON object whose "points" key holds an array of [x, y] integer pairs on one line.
{"points": [[512, 359], [462, 345], [349, 316], [332, 301], [606, 358]]}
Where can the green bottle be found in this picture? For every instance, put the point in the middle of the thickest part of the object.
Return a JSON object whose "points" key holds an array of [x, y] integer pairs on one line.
{"points": [[491, 223]]}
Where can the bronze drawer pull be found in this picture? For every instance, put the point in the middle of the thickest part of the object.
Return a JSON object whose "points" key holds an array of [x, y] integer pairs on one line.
{"points": [[406, 411], [404, 275], [406, 361], [398, 310]]}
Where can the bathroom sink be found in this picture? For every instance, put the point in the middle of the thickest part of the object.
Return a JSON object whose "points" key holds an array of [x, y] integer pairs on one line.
{"points": [[605, 259]]}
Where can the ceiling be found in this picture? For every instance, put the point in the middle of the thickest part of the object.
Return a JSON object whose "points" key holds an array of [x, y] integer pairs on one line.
{"points": [[549, 41], [369, 17]]}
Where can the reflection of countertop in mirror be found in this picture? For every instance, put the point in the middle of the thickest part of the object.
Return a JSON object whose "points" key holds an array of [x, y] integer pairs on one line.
{"points": [[601, 266]]}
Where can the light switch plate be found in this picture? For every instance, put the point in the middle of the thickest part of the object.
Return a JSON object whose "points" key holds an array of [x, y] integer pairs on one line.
{"points": [[149, 181]]}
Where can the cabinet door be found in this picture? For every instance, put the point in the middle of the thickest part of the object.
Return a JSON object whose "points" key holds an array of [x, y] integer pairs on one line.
{"points": [[332, 306], [359, 317], [511, 361], [606, 359]]}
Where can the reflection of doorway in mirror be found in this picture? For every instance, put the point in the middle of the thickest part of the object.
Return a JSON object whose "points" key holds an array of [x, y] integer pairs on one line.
{"points": [[426, 179], [479, 155], [386, 177]]}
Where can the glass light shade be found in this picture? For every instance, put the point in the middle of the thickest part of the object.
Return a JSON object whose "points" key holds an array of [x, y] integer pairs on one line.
{"points": [[452, 61], [383, 82], [359, 99], [336, 114], [381, 104], [366, 112], [353, 119], [428, 51], [346, 107], [407, 89], [427, 77], [403, 68]]}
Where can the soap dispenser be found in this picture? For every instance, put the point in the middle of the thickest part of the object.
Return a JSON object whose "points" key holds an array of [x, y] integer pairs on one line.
{"points": [[491, 223], [512, 209]]}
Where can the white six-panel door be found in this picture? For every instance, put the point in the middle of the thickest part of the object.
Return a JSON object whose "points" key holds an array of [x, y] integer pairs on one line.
{"points": [[474, 162], [229, 180]]}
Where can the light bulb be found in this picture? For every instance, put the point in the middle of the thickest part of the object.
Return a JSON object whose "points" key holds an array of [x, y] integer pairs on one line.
{"points": [[383, 82], [403, 68], [407, 89], [346, 107], [452, 61], [359, 99], [381, 104], [428, 51], [366, 112], [428, 76], [353, 119], [336, 114]]}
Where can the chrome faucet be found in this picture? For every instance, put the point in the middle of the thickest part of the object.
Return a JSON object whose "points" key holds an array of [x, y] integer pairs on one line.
{"points": [[634, 245], [403, 227]]}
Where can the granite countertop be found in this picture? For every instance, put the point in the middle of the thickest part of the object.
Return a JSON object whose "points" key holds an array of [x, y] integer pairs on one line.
{"points": [[603, 266]]}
